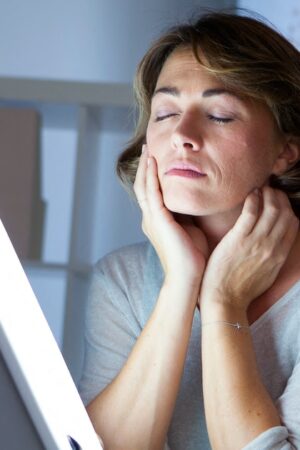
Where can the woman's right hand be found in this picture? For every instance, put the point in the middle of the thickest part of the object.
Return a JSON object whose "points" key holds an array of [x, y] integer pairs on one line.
{"points": [[181, 245], [248, 259]]}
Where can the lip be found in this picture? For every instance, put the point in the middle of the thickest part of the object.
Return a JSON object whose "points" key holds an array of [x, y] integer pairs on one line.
{"points": [[185, 168]]}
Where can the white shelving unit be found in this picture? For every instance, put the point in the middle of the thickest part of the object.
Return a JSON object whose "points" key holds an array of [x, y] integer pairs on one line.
{"points": [[89, 108]]}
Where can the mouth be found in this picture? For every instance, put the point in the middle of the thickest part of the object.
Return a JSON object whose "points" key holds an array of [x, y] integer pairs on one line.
{"points": [[186, 170]]}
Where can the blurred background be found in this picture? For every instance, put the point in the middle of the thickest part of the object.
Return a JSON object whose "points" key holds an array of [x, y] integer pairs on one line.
{"points": [[66, 70]]}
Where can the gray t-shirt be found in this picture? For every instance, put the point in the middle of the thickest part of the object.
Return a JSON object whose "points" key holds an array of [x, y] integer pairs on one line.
{"points": [[124, 289]]}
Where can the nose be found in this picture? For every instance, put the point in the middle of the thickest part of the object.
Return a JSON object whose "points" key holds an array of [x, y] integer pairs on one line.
{"points": [[187, 133]]}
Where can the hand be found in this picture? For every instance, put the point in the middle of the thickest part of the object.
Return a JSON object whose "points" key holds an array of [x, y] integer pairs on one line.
{"points": [[248, 259], [179, 243]]}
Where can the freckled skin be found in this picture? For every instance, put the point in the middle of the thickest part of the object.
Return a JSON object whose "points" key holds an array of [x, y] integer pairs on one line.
{"points": [[237, 155]]}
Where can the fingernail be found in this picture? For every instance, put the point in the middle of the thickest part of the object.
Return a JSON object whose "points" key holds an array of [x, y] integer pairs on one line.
{"points": [[148, 161], [144, 147]]}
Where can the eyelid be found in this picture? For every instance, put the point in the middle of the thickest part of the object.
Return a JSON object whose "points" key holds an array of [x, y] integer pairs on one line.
{"points": [[223, 110], [163, 116], [220, 118], [163, 107], [164, 111]]}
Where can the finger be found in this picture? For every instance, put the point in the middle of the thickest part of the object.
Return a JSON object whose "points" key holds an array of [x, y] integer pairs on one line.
{"points": [[139, 186], [291, 234], [279, 230], [153, 191], [140, 176], [281, 246], [250, 213], [270, 211], [286, 227]]}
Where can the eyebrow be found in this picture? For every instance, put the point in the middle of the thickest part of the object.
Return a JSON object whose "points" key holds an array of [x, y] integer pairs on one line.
{"points": [[206, 94]]}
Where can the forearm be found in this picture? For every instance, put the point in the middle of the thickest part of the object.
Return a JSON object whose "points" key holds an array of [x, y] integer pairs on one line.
{"points": [[237, 406], [135, 410]]}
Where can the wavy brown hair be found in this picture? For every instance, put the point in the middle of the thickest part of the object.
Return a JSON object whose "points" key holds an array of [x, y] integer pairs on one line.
{"points": [[247, 56]]}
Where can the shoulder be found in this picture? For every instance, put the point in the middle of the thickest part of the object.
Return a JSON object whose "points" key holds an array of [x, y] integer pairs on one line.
{"points": [[127, 260], [131, 268], [128, 280]]}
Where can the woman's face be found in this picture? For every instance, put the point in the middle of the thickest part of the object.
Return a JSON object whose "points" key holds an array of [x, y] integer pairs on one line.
{"points": [[212, 147]]}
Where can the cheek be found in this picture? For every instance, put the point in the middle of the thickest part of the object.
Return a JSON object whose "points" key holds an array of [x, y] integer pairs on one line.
{"points": [[247, 163], [257, 151]]}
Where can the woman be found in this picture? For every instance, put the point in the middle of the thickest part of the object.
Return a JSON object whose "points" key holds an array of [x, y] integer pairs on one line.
{"points": [[193, 341]]}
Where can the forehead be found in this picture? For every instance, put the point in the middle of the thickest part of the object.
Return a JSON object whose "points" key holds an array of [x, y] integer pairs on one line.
{"points": [[183, 74], [182, 67]]}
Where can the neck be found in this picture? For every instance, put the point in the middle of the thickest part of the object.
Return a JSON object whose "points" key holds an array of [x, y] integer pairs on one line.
{"points": [[216, 226]]}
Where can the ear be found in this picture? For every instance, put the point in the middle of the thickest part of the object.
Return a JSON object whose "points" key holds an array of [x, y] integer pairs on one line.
{"points": [[288, 157]]}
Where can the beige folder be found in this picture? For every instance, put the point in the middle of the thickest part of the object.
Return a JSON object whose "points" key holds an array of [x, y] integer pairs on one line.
{"points": [[21, 208]]}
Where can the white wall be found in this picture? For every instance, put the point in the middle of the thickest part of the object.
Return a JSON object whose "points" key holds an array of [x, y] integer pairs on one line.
{"points": [[98, 40], [285, 16], [91, 40], [83, 39]]}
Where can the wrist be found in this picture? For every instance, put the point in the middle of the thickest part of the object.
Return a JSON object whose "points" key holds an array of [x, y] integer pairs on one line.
{"points": [[223, 312], [216, 299], [181, 292], [184, 280]]}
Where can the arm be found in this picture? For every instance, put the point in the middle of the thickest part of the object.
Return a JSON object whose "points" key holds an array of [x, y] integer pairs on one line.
{"points": [[287, 435], [237, 406], [134, 411]]}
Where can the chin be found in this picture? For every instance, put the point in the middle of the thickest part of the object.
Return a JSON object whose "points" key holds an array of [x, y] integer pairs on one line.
{"points": [[185, 206], [188, 200], [193, 205]]}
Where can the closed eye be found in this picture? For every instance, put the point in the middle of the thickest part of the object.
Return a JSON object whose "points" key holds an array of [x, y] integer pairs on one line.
{"points": [[164, 116], [220, 120]]}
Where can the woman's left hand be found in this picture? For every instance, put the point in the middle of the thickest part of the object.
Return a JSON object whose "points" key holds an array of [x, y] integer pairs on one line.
{"points": [[248, 259]]}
